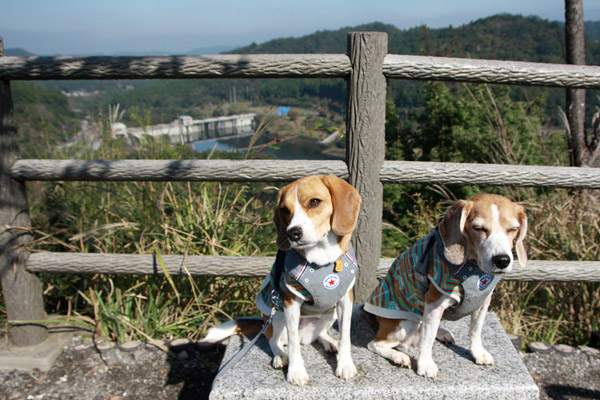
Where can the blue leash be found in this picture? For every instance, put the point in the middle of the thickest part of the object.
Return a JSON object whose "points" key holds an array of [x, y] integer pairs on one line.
{"points": [[279, 264]]}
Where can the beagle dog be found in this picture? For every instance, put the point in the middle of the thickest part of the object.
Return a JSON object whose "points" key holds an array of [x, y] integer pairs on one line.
{"points": [[449, 274], [315, 217]]}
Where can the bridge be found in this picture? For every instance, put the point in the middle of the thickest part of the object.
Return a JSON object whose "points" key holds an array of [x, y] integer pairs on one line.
{"points": [[185, 129]]}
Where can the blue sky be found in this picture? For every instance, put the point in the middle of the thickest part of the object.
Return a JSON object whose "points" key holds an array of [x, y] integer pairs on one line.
{"points": [[79, 27]]}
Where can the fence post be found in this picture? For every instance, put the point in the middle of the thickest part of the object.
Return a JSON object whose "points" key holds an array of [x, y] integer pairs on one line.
{"points": [[22, 290], [365, 149]]}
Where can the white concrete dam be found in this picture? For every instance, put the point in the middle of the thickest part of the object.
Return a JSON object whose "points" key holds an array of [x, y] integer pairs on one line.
{"points": [[187, 130]]}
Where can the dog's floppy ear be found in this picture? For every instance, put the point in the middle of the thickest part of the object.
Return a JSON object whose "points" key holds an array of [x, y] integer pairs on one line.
{"points": [[282, 239], [521, 254], [452, 230], [346, 205]]}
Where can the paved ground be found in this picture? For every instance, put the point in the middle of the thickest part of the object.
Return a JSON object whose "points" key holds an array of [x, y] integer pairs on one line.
{"points": [[83, 372]]}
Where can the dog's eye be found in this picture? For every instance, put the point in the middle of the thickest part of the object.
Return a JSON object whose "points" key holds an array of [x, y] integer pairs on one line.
{"points": [[314, 203], [516, 228], [284, 211], [479, 228]]}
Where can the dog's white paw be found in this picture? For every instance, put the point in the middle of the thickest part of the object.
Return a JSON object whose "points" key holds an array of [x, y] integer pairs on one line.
{"points": [[401, 359], [280, 361], [427, 369], [346, 370], [445, 336], [482, 357], [297, 376]]}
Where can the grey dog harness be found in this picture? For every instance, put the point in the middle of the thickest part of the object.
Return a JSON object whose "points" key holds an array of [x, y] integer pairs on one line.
{"points": [[477, 284], [326, 284]]}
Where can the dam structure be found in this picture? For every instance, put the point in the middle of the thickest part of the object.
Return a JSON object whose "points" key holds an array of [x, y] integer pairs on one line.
{"points": [[185, 129]]}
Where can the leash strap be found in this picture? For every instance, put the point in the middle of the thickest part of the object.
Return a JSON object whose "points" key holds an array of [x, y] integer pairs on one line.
{"points": [[279, 264]]}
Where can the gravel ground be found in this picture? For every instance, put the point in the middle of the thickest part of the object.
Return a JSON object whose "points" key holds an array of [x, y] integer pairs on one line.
{"points": [[574, 374], [83, 372]]}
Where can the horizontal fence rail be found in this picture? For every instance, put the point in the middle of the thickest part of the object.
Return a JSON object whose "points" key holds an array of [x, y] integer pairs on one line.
{"points": [[174, 170], [491, 71], [176, 67], [284, 171], [489, 174], [259, 267], [297, 66]]}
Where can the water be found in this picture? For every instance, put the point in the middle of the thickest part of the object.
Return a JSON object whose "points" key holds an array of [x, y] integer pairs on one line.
{"points": [[207, 145], [298, 148]]}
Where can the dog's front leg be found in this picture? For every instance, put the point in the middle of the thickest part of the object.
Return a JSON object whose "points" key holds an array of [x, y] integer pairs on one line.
{"points": [[432, 315], [297, 374], [280, 358], [345, 366], [480, 354]]}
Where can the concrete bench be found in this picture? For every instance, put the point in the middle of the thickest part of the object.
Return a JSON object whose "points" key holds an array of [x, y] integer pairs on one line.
{"points": [[460, 378]]}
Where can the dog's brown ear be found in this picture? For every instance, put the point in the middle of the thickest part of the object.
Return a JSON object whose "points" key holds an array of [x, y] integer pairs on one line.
{"points": [[346, 205], [282, 240], [521, 254], [452, 230]]}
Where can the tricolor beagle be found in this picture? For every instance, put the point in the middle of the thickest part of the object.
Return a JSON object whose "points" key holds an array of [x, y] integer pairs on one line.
{"points": [[315, 217], [449, 274]]}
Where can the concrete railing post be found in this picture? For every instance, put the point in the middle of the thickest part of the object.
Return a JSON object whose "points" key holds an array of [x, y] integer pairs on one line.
{"points": [[22, 290], [365, 149]]}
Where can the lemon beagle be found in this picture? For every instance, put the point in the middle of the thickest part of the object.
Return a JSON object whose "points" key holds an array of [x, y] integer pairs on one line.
{"points": [[315, 217], [449, 274]]}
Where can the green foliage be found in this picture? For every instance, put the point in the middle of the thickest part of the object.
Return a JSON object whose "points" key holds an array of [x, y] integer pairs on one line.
{"points": [[149, 218], [41, 110], [475, 124]]}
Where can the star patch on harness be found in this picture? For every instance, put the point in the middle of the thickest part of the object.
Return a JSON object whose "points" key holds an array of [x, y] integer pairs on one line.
{"points": [[331, 281], [484, 281]]}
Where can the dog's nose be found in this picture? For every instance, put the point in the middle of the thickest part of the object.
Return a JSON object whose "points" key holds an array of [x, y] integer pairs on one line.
{"points": [[294, 233], [501, 261]]}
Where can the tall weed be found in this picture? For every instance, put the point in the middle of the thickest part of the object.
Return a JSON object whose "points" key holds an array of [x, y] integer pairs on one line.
{"points": [[149, 218]]}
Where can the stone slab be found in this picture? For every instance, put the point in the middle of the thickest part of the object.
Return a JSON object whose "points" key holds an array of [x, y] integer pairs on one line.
{"points": [[40, 356], [460, 378]]}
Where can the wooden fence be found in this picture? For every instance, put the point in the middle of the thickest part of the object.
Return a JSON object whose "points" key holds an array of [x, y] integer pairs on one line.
{"points": [[366, 68]]}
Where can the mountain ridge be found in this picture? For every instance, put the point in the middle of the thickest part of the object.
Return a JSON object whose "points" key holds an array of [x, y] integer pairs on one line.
{"points": [[415, 40]]}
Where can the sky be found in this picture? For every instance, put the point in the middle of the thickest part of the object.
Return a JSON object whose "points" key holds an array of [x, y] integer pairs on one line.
{"points": [[84, 27]]}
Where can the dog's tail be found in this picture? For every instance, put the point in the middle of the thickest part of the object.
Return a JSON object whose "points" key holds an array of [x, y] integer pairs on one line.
{"points": [[244, 326]]}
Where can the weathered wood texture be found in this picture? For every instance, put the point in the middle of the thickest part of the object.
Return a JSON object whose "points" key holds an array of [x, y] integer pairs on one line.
{"points": [[285, 171], [22, 290], [258, 267], [148, 264], [489, 174], [297, 65], [491, 71], [174, 170], [177, 67], [365, 149]]}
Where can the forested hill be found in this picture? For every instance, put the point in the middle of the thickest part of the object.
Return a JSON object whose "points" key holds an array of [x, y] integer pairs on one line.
{"points": [[501, 37]]}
